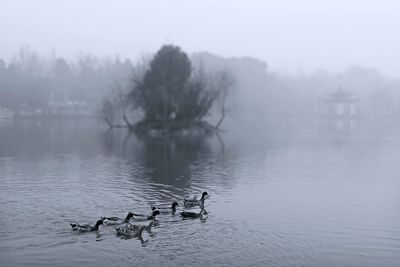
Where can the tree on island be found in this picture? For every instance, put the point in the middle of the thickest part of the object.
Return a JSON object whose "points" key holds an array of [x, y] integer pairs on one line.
{"points": [[172, 96]]}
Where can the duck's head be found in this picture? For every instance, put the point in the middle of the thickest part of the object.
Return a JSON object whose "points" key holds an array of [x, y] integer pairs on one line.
{"points": [[99, 222], [174, 204], [153, 208], [130, 215], [204, 194], [155, 213]]}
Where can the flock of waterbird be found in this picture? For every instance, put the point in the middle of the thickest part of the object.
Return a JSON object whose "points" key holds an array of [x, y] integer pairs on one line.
{"points": [[128, 227]]}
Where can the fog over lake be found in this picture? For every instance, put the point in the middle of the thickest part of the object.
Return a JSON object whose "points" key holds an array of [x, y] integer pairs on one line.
{"points": [[274, 126]]}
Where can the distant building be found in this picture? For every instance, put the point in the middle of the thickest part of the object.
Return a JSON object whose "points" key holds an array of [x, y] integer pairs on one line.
{"points": [[339, 104], [60, 104]]}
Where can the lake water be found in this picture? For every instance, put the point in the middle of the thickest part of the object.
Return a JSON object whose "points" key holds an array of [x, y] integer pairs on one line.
{"points": [[290, 193]]}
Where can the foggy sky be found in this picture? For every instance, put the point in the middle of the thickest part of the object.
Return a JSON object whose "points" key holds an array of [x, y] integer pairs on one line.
{"points": [[291, 36]]}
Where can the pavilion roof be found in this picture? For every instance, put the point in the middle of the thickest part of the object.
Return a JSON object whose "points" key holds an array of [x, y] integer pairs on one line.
{"points": [[340, 96]]}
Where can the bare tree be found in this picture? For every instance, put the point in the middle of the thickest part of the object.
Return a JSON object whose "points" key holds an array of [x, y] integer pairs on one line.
{"points": [[224, 82], [122, 103], [108, 112], [114, 107]]}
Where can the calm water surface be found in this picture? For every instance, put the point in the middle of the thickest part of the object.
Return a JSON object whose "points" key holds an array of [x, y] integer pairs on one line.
{"points": [[291, 194]]}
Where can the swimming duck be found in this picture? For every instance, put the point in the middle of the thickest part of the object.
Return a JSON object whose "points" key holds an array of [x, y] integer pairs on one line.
{"points": [[132, 230], [165, 210], [190, 203], [117, 220], [190, 214], [86, 227], [141, 218]]}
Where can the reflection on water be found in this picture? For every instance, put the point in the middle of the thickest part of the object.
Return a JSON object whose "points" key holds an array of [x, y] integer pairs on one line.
{"points": [[289, 193], [168, 160]]}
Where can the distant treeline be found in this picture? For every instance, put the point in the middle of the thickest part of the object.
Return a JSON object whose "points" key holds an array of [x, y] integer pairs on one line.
{"points": [[35, 84], [260, 92]]}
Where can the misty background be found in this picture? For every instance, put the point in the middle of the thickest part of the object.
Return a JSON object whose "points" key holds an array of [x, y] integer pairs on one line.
{"points": [[289, 53], [290, 36]]}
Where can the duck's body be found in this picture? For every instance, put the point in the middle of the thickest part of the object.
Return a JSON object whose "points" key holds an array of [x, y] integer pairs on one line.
{"points": [[86, 227], [117, 220], [132, 230], [190, 203], [190, 214], [142, 218]]}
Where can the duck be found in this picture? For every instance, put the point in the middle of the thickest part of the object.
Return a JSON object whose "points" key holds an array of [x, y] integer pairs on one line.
{"points": [[190, 203], [117, 220], [141, 218], [132, 230], [194, 215], [86, 227], [165, 210]]}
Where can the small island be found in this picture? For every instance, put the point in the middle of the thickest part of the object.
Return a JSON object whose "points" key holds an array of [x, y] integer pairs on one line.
{"points": [[171, 95]]}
